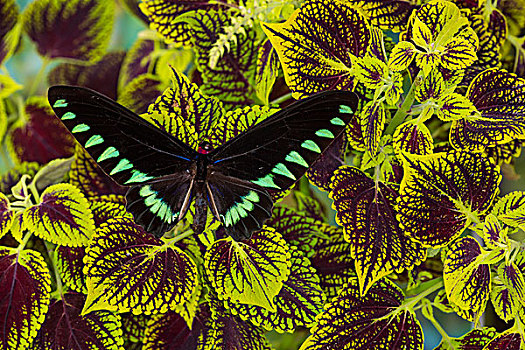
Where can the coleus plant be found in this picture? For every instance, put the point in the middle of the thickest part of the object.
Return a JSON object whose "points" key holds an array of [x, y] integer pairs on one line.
{"points": [[414, 182]]}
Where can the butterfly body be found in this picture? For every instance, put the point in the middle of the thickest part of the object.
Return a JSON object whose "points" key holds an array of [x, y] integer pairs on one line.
{"points": [[233, 180]]}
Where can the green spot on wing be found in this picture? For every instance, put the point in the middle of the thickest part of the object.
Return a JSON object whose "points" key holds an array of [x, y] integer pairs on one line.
{"points": [[295, 157], [122, 165], [60, 103], [252, 196], [80, 128], [146, 191], [110, 152], [68, 115], [324, 133], [344, 109], [266, 181], [94, 140], [281, 169], [337, 121], [138, 176], [311, 145]]}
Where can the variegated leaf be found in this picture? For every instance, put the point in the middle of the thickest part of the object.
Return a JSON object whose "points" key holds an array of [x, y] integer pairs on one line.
{"points": [[224, 331], [365, 209], [128, 269], [6, 215], [386, 14], [66, 328], [414, 138], [499, 97], [298, 303], [92, 181], [511, 209], [163, 331], [352, 321], [184, 112], [314, 45], [162, 15], [505, 303], [62, 216], [333, 262], [80, 28], [68, 261], [229, 74], [506, 341], [441, 192], [250, 272], [25, 285], [142, 91], [372, 118], [9, 32], [267, 70], [467, 281], [101, 76], [476, 339]]}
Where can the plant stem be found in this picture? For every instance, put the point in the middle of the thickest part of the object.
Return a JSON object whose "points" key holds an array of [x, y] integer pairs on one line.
{"points": [[24, 242], [281, 99], [401, 113], [58, 280], [425, 289], [179, 238], [39, 76]]}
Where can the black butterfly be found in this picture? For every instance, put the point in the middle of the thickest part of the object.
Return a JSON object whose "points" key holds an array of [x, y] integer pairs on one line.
{"points": [[233, 180]]}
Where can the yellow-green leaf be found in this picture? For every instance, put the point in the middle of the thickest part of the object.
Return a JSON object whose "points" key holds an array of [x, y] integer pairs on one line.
{"points": [[249, 272], [320, 61], [62, 216]]}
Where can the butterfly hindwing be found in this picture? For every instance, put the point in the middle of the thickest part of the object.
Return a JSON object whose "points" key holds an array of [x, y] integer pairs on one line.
{"points": [[128, 148], [277, 152], [240, 205], [160, 204]]}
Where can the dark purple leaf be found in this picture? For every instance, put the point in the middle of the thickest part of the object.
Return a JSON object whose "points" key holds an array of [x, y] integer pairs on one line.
{"points": [[70, 29], [101, 76], [40, 137]]}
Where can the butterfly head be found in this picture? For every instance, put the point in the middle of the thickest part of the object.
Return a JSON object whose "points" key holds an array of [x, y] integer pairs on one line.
{"points": [[205, 147]]}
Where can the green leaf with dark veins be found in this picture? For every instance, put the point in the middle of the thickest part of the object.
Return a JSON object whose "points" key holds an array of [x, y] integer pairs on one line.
{"points": [[352, 321], [298, 303], [6, 215], [316, 43], [372, 118], [511, 209], [467, 279], [185, 112], [414, 138], [68, 261], [9, 30], [128, 269], [267, 70], [230, 78], [365, 209], [249, 272], [62, 216], [25, 285], [505, 303], [500, 98], [162, 15], [443, 193]]}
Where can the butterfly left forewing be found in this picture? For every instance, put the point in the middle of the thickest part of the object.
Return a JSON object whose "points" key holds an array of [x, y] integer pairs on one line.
{"points": [[127, 147]]}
